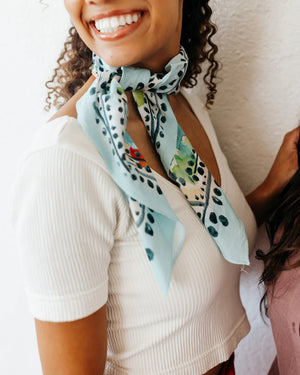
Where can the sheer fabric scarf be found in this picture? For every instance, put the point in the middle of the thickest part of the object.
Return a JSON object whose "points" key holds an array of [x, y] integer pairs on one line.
{"points": [[102, 113]]}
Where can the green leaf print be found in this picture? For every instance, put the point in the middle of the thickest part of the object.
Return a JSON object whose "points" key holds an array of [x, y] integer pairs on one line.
{"points": [[184, 160], [138, 98], [120, 90]]}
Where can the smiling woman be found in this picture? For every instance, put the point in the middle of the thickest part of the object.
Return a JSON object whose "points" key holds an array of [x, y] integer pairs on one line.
{"points": [[74, 63], [132, 228], [151, 42]]}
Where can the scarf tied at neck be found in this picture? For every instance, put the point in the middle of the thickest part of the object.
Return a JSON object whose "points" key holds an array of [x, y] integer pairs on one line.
{"points": [[102, 113]]}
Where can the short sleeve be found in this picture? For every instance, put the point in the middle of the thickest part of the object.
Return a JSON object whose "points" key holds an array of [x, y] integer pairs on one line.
{"points": [[64, 219]]}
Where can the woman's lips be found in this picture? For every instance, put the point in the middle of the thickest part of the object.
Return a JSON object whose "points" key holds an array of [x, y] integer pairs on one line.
{"points": [[112, 27]]}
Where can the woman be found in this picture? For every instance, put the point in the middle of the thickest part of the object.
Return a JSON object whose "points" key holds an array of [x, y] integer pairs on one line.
{"points": [[281, 277], [132, 247]]}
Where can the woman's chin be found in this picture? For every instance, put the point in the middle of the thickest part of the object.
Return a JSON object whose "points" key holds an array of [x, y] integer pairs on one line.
{"points": [[119, 60]]}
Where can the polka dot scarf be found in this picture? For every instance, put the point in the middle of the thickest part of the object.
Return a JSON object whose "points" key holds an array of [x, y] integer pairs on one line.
{"points": [[102, 113]]}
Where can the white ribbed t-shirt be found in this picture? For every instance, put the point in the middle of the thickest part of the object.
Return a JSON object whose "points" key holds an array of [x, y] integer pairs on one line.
{"points": [[80, 249]]}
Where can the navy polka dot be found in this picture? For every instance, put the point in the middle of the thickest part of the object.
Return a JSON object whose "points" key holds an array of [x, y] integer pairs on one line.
{"points": [[224, 220], [189, 171], [200, 171], [217, 192], [212, 231], [213, 218], [150, 254], [164, 107], [150, 218], [140, 86], [148, 229], [217, 201]]}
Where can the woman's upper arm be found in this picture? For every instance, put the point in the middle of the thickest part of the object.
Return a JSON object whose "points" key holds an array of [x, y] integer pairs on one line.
{"points": [[73, 348], [65, 232], [64, 215]]}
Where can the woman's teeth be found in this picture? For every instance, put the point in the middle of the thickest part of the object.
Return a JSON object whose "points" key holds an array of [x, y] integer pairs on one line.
{"points": [[111, 24]]}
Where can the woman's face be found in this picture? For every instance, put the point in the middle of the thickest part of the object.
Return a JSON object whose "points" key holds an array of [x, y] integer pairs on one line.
{"points": [[144, 33]]}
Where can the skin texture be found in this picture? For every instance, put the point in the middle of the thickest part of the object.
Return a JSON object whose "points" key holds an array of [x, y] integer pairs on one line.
{"points": [[79, 347], [265, 197], [73, 348]]}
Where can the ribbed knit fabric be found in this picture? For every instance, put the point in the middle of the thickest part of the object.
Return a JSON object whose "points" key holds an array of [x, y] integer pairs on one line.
{"points": [[80, 249]]}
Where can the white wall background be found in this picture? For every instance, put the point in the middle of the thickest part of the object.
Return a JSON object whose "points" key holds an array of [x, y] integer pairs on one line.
{"points": [[258, 101]]}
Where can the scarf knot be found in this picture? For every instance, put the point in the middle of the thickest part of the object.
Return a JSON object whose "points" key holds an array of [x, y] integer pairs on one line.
{"points": [[133, 79]]}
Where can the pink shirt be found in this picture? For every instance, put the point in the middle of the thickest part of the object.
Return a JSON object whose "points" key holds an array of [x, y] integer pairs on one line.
{"points": [[284, 312]]}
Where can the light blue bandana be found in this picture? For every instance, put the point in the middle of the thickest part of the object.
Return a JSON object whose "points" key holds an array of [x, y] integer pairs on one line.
{"points": [[102, 113]]}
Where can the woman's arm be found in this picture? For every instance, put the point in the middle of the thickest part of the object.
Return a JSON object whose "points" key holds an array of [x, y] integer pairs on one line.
{"points": [[264, 198], [73, 348]]}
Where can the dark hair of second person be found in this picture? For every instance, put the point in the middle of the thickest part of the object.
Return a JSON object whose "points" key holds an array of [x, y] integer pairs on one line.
{"points": [[283, 229]]}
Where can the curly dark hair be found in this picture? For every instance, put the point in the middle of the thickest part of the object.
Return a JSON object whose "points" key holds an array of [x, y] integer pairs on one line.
{"points": [[75, 61], [285, 224]]}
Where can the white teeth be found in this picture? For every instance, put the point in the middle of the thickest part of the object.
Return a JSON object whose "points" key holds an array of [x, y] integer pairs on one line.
{"points": [[104, 23], [111, 24], [128, 19], [122, 21], [114, 22]]}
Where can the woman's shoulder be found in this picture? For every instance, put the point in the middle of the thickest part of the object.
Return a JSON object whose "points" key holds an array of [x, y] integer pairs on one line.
{"points": [[63, 131], [69, 108], [62, 134]]}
